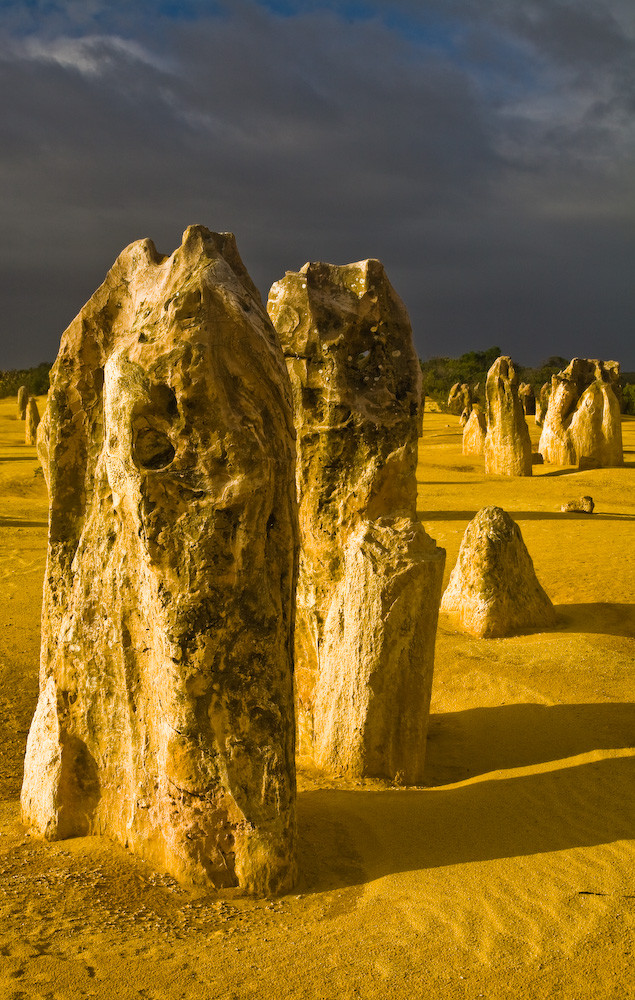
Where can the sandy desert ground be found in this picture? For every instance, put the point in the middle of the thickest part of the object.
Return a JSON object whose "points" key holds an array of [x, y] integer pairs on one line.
{"points": [[511, 874]]}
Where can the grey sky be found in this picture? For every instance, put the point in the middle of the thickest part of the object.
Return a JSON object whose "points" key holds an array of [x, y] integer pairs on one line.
{"points": [[484, 152]]}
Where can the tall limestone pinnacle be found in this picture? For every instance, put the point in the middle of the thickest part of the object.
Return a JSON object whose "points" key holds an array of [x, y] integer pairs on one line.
{"points": [[165, 716], [507, 446], [370, 577]]}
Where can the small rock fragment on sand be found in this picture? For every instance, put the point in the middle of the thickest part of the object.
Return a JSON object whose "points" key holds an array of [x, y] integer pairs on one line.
{"points": [[584, 505]]}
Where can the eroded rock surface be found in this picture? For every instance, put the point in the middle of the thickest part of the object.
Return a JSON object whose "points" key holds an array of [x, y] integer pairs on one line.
{"points": [[23, 396], [165, 716], [474, 432], [583, 423], [459, 398], [493, 590], [507, 447], [32, 421], [370, 577]]}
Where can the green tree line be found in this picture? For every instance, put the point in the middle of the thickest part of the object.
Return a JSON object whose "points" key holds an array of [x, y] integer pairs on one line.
{"points": [[35, 379], [440, 374]]}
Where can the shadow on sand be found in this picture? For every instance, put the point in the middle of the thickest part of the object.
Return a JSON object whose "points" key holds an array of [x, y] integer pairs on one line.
{"points": [[348, 838], [522, 515], [597, 619], [480, 740], [17, 522], [351, 837]]}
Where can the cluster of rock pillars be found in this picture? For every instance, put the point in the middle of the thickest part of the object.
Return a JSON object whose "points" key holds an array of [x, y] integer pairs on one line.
{"points": [[235, 563]]}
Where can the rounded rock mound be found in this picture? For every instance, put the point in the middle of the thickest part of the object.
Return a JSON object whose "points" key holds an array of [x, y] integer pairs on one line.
{"points": [[493, 589]]}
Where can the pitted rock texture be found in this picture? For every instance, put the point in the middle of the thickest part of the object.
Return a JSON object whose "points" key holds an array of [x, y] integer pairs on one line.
{"points": [[459, 398], [583, 425], [32, 421], [527, 398], [165, 716], [507, 447], [542, 403], [493, 590], [23, 396], [363, 668], [474, 432]]}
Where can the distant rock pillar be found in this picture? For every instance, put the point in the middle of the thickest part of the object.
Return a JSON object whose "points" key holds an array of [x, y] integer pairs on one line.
{"points": [[474, 432], [542, 404], [165, 716], [23, 396], [507, 447], [527, 398], [32, 421], [370, 577], [582, 424]]}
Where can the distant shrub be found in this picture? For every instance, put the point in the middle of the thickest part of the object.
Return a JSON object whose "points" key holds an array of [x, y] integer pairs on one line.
{"points": [[440, 374], [35, 379], [628, 395]]}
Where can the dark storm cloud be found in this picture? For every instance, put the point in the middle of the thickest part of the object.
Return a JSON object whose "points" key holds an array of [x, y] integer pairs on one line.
{"points": [[485, 157]]}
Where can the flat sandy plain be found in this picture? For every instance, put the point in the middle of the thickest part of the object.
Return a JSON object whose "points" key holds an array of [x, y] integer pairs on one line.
{"points": [[509, 875]]}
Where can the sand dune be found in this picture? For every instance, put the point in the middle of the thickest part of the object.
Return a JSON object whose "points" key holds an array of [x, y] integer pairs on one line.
{"points": [[510, 874]]}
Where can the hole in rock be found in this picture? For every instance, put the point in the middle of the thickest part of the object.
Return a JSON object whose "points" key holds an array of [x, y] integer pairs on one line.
{"points": [[152, 449]]}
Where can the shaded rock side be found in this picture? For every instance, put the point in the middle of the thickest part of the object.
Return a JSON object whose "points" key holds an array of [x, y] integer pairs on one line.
{"points": [[527, 398], [542, 403], [165, 716], [493, 590], [583, 423], [23, 396], [507, 446], [356, 381], [32, 421], [474, 432]]}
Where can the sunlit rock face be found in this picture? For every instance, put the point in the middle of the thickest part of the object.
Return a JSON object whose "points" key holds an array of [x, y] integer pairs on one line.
{"points": [[582, 424], [474, 432], [493, 590], [370, 577], [23, 396], [166, 714], [32, 419], [460, 398], [507, 447]]}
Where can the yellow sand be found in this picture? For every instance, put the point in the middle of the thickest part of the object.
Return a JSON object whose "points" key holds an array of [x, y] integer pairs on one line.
{"points": [[511, 874]]}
